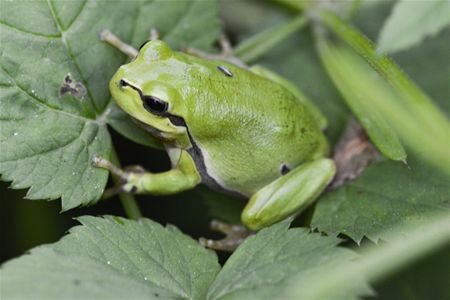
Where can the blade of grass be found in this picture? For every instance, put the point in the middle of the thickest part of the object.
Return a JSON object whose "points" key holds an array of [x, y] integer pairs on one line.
{"points": [[360, 101], [363, 88]]}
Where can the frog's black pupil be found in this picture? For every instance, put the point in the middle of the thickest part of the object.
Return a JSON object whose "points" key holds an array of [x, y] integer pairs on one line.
{"points": [[154, 105]]}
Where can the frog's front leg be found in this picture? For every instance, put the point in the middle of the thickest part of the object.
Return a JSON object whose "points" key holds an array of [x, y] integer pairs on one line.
{"points": [[182, 177], [289, 194]]}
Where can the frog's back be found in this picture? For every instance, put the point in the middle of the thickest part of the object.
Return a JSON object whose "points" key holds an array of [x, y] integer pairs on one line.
{"points": [[252, 130]]}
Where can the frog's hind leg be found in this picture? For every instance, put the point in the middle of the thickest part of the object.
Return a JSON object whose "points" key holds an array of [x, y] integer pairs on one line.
{"points": [[227, 53], [235, 235], [289, 194], [109, 37]]}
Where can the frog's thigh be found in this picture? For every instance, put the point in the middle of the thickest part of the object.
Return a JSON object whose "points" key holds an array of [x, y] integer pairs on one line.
{"points": [[289, 194]]}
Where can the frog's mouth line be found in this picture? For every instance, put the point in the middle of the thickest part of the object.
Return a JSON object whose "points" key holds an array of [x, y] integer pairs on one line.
{"points": [[150, 129], [175, 120]]}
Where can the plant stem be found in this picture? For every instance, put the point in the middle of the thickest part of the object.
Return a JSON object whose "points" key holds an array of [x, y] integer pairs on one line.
{"points": [[130, 206], [256, 46]]}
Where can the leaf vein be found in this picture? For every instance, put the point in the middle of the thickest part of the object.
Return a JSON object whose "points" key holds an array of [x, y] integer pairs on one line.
{"points": [[30, 32], [76, 15]]}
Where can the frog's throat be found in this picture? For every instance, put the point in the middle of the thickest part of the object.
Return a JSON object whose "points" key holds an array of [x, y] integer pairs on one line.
{"points": [[207, 179], [194, 151]]}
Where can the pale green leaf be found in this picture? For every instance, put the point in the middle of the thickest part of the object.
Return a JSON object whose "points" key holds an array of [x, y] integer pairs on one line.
{"points": [[263, 265], [375, 262], [424, 278], [47, 140], [113, 257], [411, 22]]}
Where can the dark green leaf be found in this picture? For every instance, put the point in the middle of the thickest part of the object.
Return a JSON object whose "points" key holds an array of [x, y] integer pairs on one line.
{"points": [[424, 279], [48, 140], [388, 194], [263, 265], [375, 262], [113, 257]]}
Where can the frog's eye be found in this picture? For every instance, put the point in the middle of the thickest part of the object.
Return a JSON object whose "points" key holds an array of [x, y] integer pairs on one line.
{"points": [[154, 105]]}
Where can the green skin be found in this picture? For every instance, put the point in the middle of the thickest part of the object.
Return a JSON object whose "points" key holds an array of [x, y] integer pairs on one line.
{"points": [[237, 133]]}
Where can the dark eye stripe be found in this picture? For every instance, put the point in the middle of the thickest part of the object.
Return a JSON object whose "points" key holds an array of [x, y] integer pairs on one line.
{"points": [[225, 71]]}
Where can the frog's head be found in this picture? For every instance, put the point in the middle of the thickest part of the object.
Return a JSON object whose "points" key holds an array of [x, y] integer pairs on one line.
{"points": [[145, 90]]}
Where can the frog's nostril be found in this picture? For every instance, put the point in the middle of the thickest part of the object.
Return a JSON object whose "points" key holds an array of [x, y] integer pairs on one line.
{"points": [[123, 83]]}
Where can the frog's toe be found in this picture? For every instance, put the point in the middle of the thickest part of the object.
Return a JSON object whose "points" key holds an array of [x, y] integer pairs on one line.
{"points": [[235, 235]]}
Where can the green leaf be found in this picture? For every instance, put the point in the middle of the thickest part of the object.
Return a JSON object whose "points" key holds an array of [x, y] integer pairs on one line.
{"points": [[375, 262], [423, 279], [47, 140], [112, 257], [388, 194], [411, 22], [264, 263]]}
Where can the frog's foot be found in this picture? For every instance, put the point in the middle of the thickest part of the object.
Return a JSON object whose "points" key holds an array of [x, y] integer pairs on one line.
{"points": [[125, 176], [226, 54], [235, 235], [109, 37], [100, 162]]}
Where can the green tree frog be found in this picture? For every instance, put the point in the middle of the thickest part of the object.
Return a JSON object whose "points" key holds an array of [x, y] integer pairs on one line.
{"points": [[243, 131]]}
